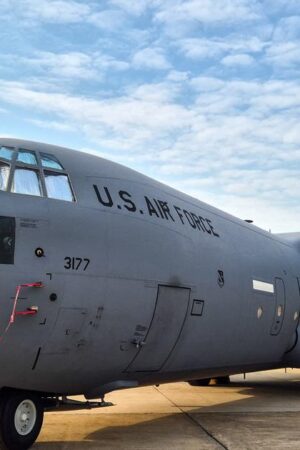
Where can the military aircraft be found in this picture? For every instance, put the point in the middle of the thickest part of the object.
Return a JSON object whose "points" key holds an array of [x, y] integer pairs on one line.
{"points": [[112, 280]]}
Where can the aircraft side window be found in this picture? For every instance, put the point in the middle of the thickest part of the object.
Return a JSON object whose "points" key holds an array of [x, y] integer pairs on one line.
{"points": [[7, 240], [58, 186], [6, 153], [50, 162], [27, 157], [4, 175], [26, 181]]}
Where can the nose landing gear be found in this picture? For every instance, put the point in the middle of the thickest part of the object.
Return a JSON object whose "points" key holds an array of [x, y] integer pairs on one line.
{"points": [[21, 419]]}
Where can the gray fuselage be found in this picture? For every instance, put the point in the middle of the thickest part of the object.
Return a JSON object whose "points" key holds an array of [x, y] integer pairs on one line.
{"points": [[141, 284]]}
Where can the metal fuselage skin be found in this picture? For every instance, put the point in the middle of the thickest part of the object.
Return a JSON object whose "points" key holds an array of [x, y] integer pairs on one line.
{"points": [[164, 290]]}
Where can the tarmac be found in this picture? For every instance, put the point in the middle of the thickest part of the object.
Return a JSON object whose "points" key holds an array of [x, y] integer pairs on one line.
{"points": [[259, 412]]}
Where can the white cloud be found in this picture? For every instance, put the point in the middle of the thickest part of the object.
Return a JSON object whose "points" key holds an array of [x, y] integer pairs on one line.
{"points": [[281, 7], [237, 145], [260, 98], [284, 54], [64, 12], [72, 65], [287, 29], [150, 58], [233, 120], [203, 48], [51, 125], [105, 62], [109, 20], [207, 84], [213, 149], [134, 119], [208, 11], [166, 92], [5, 6], [135, 7], [238, 60], [178, 76], [61, 11], [266, 214]]}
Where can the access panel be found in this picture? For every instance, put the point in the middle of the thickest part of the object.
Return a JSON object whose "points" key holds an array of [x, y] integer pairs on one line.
{"points": [[167, 322], [66, 334]]}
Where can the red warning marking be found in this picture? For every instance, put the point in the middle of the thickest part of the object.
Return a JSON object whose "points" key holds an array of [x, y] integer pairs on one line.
{"points": [[14, 313], [28, 312]]}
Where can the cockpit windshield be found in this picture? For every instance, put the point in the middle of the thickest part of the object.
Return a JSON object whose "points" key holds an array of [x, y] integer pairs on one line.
{"points": [[26, 157], [7, 153], [50, 162], [4, 175], [26, 172], [26, 181], [57, 185]]}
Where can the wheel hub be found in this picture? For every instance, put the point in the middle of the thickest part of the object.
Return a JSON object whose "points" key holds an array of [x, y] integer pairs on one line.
{"points": [[25, 417]]}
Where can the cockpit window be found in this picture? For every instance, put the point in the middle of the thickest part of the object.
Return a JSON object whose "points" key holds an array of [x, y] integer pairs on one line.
{"points": [[27, 157], [40, 174], [27, 182], [50, 162], [4, 175], [6, 153], [58, 186]]}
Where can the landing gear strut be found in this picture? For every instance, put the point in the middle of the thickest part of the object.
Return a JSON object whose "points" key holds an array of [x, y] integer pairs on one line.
{"points": [[203, 382], [219, 381], [21, 419]]}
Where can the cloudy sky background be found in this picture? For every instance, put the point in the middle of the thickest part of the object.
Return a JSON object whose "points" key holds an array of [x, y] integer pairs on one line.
{"points": [[203, 95]]}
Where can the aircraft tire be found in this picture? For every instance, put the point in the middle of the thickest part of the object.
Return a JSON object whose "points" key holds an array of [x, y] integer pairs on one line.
{"points": [[203, 382], [21, 419]]}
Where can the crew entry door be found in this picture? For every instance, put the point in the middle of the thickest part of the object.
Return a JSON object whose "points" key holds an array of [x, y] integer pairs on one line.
{"points": [[164, 331]]}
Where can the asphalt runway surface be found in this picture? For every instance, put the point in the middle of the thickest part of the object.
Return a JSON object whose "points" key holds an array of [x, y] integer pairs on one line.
{"points": [[259, 412]]}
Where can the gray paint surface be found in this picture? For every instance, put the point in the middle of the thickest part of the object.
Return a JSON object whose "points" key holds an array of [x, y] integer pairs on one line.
{"points": [[139, 235], [164, 330]]}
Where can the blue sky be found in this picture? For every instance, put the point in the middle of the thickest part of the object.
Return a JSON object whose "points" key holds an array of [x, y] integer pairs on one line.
{"points": [[203, 95]]}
